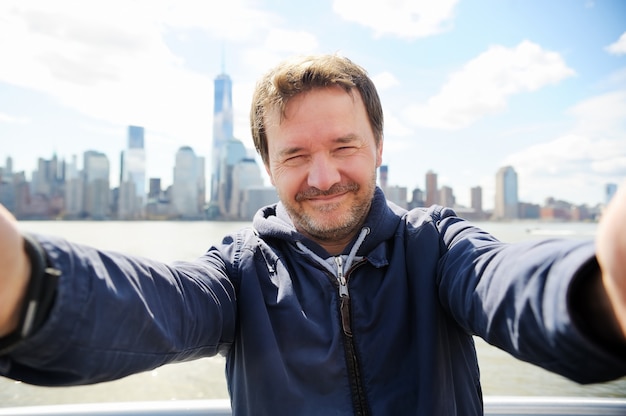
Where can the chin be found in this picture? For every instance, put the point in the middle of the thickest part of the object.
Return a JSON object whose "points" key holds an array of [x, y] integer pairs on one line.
{"points": [[331, 226]]}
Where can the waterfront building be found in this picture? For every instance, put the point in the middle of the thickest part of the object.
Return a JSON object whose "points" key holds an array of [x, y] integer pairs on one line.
{"points": [[46, 188], [506, 200], [7, 170], [417, 199], [96, 196], [157, 204], [7, 189], [233, 167], [529, 211], [222, 132], [254, 198], [397, 195], [432, 192], [383, 175], [446, 197], [132, 190], [233, 152], [245, 174], [189, 185], [74, 191], [476, 199]]}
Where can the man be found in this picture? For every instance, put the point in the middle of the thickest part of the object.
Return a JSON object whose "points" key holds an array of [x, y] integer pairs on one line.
{"points": [[337, 302]]}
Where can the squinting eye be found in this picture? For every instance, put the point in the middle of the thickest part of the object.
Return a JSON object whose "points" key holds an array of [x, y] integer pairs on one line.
{"points": [[346, 149], [294, 160]]}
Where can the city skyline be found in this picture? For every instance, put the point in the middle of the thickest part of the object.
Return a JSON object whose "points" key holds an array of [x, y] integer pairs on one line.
{"points": [[467, 86], [429, 186]]}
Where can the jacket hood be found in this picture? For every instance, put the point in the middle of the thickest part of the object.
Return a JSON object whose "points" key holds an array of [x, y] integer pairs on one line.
{"points": [[273, 222]]}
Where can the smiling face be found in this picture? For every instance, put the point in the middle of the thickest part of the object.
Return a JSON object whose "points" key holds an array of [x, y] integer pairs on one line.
{"points": [[322, 158]]}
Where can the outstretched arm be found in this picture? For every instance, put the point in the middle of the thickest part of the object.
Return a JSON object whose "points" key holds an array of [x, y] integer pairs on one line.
{"points": [[94, 315]]}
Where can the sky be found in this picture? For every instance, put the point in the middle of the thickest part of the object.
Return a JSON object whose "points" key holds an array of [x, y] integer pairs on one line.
{"points": [[467, 86]]}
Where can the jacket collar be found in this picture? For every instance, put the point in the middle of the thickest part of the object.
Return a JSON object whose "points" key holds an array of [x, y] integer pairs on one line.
{"points": [[273, 222]]}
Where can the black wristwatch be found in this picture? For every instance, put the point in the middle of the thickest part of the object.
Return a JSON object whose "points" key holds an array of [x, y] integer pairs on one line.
{"points": [[39, 298]]}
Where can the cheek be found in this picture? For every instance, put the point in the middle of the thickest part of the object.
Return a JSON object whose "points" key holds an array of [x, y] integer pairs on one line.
{"points": [[284, 179]]}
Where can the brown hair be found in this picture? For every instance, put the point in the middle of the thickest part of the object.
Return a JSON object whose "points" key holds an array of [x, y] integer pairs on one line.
{"points": [[303, 74]]}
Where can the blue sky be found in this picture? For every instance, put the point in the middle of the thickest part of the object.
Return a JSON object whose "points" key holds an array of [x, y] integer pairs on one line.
{"points": [[467, 86]]}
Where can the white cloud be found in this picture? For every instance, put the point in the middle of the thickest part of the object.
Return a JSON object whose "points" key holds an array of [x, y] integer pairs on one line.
{"points": [[402, 18], [7, 118], [618, 47], [278, 44], [483, 85], [395, 128], [581, 161], [602, 115], [112, 61], [562, 156], [229, 20], [291, 41], [385, 80]]}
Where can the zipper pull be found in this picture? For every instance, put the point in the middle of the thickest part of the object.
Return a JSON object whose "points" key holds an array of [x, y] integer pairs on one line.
{"points": [[344, 296], [341, 279]]}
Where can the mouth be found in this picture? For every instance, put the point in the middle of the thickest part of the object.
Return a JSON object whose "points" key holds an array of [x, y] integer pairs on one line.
{"points": [[329, 203], [327, 198], [334, 193]]}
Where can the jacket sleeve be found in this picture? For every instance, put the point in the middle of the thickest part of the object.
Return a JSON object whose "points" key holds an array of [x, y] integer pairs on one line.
{"points": [[116, 315], [517, 297]]}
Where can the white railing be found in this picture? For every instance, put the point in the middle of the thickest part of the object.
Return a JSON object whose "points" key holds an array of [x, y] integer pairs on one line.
{"points": [[494, 406]]}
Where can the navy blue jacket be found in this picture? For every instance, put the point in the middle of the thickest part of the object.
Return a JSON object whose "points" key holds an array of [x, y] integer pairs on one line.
{"points": [[385, 329]]}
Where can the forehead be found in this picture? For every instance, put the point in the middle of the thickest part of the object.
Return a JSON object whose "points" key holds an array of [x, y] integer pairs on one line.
{"points": [[316, 113], [282, 108]]}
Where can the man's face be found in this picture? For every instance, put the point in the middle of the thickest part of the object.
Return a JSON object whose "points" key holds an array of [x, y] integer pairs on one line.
{"points": [[323, 160]]}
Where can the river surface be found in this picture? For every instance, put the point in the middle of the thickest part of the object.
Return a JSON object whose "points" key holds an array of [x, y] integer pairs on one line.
{"points": [[204, 378]]}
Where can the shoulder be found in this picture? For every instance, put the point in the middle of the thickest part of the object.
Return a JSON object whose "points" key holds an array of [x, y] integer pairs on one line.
{"points": [[432, 216]]}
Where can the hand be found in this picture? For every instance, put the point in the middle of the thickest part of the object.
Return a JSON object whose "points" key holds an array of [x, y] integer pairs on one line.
{"points": [[611, 254], [14, 272]]}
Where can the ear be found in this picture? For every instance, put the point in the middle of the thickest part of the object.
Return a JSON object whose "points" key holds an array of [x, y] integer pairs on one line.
{"points": [[379, 153]]}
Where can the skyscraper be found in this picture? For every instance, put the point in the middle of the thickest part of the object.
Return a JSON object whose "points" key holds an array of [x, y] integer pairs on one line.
{"points": [[74, 190], [222, 131], [476, 198], [432, 192], [188, 187], [246, 175], [383, 177], [132, 192], [446, 197], [506, 203], [135, 137], [233, 152], [233, 167], [8, 167], [96, 182]]}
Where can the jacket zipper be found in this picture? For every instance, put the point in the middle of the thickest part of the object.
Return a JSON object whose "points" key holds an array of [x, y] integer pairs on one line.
{"points": [[356, 385]]}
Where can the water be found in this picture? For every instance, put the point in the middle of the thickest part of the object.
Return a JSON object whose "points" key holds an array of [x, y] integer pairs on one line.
{"points": [[204, 378]]}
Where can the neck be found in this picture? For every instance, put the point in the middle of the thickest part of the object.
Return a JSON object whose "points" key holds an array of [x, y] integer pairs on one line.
{"points": [[336, 242]]}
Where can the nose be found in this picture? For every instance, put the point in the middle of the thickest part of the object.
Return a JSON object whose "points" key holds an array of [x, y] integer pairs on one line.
{"points": [[323, 173]]}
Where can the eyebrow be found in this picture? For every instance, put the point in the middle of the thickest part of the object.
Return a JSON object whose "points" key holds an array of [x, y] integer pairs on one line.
{"points": [[346, 139]]}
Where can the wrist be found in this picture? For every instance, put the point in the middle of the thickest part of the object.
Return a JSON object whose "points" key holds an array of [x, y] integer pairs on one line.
{"points": [[592, 310], [37, 297], [13, 294]]}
